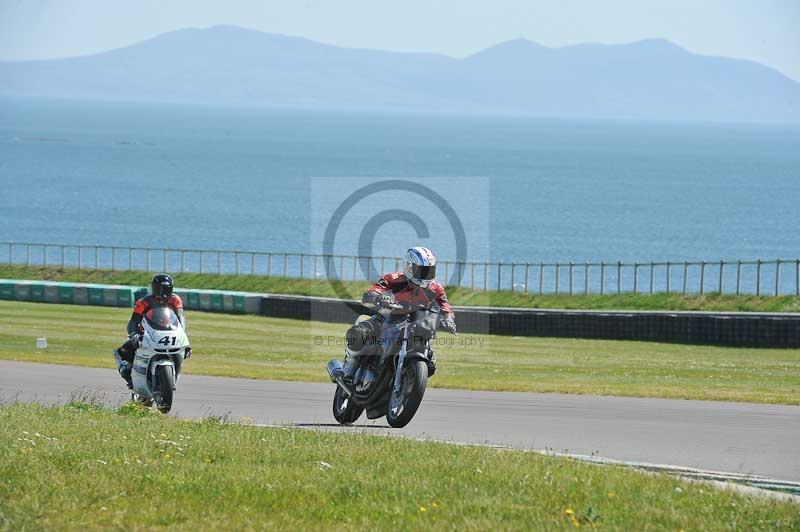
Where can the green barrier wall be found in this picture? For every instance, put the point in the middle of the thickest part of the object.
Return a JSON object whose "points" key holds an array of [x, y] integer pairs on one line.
{"points": [[124, 296], [71, 293], [221, 301]]}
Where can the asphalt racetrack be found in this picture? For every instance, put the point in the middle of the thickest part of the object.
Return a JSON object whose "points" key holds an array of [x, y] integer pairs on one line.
{"points": [[739, 438]]}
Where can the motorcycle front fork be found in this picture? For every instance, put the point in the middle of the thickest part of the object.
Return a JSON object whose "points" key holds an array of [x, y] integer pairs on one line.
{"points": [[401, 360]]}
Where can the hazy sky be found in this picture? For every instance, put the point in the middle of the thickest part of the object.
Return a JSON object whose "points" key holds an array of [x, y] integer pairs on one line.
{"points": [[766, 31]]}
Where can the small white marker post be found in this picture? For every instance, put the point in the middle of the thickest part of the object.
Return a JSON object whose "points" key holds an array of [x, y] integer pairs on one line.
{"points": [[41, 343]]}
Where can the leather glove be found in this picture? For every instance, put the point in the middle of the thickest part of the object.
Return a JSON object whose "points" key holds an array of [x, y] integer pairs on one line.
{"points": [[187, 353], [448, 323]]}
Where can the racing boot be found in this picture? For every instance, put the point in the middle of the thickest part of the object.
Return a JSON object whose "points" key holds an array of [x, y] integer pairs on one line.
{"points": [[124, 368], [350, 365], [431, 364]]}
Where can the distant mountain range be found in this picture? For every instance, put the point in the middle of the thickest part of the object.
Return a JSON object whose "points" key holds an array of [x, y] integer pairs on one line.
{"points": [[225, 65]]}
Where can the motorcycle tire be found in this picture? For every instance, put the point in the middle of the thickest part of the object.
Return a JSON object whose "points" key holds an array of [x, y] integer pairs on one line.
{"points": [[166, 386], [415, 380], [344, 409]]}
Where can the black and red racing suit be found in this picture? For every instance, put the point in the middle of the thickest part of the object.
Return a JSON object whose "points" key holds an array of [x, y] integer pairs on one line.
{"points": [[406, 292], [366, 333], [142, 307]]}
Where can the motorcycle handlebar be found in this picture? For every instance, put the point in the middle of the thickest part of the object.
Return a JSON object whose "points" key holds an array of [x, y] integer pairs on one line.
{"points": [[403, 309]]}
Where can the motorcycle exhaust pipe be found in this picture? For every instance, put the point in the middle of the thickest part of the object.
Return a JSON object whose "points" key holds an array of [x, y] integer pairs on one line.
{"points": [[335, 369], [336, 373]]}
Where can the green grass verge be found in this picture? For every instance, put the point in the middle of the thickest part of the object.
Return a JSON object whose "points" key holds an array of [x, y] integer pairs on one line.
{"points": [[272, 348], [462, 296], [83, 467]]}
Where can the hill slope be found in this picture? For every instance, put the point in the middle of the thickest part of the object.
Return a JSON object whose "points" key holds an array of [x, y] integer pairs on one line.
{"points": [[224, 65]]}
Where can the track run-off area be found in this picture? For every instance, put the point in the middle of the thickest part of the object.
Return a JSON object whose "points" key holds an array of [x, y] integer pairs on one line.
{"points": [[758, 440]]}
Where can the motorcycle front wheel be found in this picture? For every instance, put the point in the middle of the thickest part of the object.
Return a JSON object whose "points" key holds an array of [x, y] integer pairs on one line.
{"points": [[166, 386], [344, 409], [403, 405]]}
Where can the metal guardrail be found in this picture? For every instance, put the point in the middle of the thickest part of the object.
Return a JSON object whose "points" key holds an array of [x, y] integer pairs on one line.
{"points": [[759, 277]]}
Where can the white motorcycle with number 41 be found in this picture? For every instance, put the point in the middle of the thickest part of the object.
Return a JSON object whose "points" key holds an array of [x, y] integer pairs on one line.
{"points": [[163, 346]]}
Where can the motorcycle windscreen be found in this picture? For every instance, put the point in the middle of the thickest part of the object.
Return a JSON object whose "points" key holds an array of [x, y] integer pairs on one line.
{"points": [[162, 319]]}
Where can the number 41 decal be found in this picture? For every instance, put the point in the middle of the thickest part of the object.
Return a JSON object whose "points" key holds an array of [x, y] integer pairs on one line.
{"points": [[166, 340]]}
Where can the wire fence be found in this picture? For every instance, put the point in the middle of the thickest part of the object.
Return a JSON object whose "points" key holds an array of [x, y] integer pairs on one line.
{"points": [[758, 277]]}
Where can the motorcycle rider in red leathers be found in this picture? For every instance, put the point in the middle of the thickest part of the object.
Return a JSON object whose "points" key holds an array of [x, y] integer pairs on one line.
{"points": [[416, 285], [161, 296]]}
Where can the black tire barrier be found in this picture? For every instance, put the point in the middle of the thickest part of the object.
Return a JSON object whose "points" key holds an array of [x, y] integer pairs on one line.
{"points": [[743, 329]]}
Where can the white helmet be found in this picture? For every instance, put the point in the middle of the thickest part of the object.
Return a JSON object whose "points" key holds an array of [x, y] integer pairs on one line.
{"points": [[420, 266]]}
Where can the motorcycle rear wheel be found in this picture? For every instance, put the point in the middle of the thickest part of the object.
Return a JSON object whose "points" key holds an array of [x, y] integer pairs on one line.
{"points": [[403, 406], [344, 409], [166, 386]]}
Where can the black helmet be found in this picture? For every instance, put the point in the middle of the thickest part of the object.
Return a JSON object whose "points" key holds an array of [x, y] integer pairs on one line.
{"points": [[162, 286]]}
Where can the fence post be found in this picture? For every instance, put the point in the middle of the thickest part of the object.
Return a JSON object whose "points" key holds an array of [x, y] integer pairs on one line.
{"points": [[619, 277], [602, 276], [541, 277], [652, 272], [586, 277], [668, 277], [777, 276], [702, 276], [148, 260], [80, 256], [558, 275], [485, 276], [314, 258], [513, 268], [96, 258], [355, 266], [44, 255], [183, 260], [499, 278], [10, 248], [113, 259], [340, 276], [285, 263], [721, 267], [201, 261], [446, 272], [62, 256], [130, 258], [797, 277], [382, 269], [758, 277], [27, 254], [635, 277], [685, 274], [269, 264], [166, 264], [236, 258], [302, 265], [570, 277], [738, 274], [526, 277], [219, 261]]}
